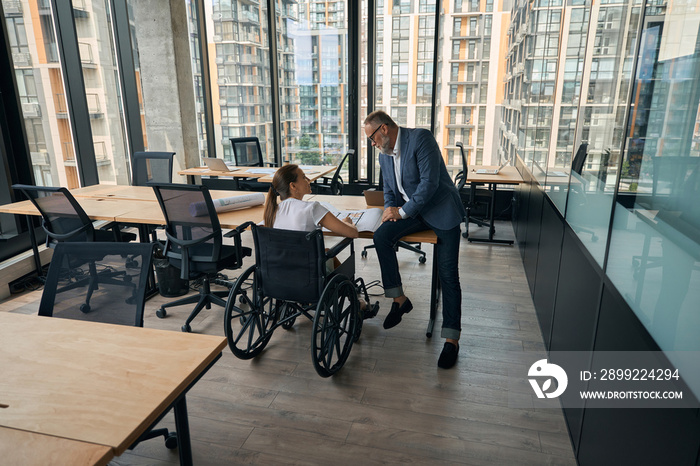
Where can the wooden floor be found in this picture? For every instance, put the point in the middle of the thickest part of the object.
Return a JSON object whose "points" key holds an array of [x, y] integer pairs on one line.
{"points": [[390, 404]]}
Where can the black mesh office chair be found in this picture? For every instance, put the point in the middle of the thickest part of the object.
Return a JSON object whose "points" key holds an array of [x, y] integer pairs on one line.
{"points": [[333, 185], [76, 276], [247, 153], [64, 220], [152, 167], [472, 196], [414, 247], [195, 243]]}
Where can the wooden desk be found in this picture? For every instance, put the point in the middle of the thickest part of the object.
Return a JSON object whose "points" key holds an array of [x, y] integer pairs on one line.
{"points": [[95, 208], [98, 383], [22, 448], [313, 172], [506, 175], [134, 193]]}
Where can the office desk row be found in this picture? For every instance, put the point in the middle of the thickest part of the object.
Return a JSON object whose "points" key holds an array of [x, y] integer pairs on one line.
{"points": [[137, 205], [78, 392]]}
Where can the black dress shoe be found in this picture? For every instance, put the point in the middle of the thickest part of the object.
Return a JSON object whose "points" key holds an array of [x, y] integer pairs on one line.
{"points": [[448, 357], [394, 316]]}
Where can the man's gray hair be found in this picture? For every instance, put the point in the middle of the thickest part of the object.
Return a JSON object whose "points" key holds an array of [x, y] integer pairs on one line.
{"points": [[380, 117]]}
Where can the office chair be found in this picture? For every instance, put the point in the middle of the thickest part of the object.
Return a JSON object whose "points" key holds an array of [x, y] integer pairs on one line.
{"points": [[247, 153], [73, 280], [152, 167], [472, 197], [334, 185], [411, 246], [64, 220], [577, 165], [156, 167], [195, 244]]}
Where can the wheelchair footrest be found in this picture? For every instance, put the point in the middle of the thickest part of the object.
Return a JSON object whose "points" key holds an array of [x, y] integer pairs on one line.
{"points": [[371, 311]]}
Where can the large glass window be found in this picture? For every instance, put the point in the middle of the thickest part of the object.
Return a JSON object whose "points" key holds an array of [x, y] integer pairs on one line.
{"points": [[600, 119], [93, 25], [239, 69], [41, 92]]}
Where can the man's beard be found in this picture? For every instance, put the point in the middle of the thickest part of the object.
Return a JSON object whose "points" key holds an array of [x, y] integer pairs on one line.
{"points": [[386, 149]]}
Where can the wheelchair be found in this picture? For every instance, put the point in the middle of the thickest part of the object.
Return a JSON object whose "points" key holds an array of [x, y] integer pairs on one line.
{"points": [[288, 280]]}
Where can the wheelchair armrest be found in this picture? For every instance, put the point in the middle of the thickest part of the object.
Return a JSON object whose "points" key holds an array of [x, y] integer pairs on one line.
{"points": [[236, 235], [335, 250]]}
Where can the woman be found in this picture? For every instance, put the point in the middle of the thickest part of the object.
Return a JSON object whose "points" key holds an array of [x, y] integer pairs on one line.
{"points": [[293, 213]]}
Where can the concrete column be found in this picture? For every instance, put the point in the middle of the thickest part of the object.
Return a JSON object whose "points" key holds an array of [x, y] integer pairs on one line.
{"points": [[166, 80]]}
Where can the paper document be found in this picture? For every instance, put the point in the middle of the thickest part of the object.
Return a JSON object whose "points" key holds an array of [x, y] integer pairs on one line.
{"points": [[199, 209], [364, 220], [262, 171]]}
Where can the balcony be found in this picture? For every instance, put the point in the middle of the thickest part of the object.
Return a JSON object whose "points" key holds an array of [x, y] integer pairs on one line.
{"points": [[79, 10], [40, 158], [248, 17], [94, 106], [21, 59], [86, 57], [12, 8], [31, 110]]}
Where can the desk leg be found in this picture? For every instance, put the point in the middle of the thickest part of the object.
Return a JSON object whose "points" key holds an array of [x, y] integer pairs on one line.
{"points": [[151, 286], [182, 425], [434, 294], [35, 248], [492, 228]]}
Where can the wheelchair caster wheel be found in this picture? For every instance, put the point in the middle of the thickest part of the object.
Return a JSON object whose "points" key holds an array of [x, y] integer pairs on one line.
{"points": [[364, 254], [186, 328], [161, 313], [84, 308], [171, 441], [422, 259]]}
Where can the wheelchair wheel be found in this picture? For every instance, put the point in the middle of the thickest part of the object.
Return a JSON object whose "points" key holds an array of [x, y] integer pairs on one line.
{"points": [[335, 325], [287, 310], [249, 317]]}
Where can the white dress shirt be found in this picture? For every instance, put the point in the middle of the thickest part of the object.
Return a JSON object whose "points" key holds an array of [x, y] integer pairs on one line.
{"points": [[396, 155]]}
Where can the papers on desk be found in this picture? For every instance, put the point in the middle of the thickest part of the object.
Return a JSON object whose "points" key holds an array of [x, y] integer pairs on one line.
{"points": [[262, 171], [205, 169], [199, 209], [364, 220]]}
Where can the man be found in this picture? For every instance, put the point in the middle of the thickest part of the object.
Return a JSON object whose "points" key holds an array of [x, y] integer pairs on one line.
{"points": [[418, 195]]}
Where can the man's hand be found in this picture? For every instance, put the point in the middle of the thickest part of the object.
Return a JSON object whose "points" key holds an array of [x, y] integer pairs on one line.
{"points": [[391, 214]]}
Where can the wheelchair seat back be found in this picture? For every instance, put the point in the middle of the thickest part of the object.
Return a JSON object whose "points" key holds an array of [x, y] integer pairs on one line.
{"points": [[291, 264]]}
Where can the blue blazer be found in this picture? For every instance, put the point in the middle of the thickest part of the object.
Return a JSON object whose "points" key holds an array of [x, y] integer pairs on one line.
{"points": [[424, 177]]}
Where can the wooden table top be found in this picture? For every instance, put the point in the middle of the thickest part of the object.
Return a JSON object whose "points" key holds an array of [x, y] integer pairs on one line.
{"points": [[22, 448], [92, 382], [358, 203], [95, 208], [135, 193], [506, 175], [313, 172]]}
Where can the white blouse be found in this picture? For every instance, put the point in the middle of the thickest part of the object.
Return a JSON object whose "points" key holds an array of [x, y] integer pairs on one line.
{"points": [[293, 214]]}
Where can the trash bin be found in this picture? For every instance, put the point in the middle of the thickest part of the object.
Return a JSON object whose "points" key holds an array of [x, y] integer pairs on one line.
{"points": [[170, 284]]}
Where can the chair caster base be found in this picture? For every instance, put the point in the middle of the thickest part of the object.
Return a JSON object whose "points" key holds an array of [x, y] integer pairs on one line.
{"points": [[161, 313], [186, 328], [171, 441]]}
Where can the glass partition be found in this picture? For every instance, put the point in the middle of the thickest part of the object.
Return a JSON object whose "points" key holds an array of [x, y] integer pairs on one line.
{"points": [[654, 258], [605, 93]]}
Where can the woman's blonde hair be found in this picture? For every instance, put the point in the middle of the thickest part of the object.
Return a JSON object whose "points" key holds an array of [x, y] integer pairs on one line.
{"points": [[279, 187]]}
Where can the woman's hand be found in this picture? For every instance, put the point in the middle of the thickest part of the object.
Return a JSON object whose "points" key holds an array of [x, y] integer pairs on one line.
{"points": [[348, 220]]}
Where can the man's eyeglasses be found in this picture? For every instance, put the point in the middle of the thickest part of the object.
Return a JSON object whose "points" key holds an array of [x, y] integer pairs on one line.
{"points": [[371, 136]]}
